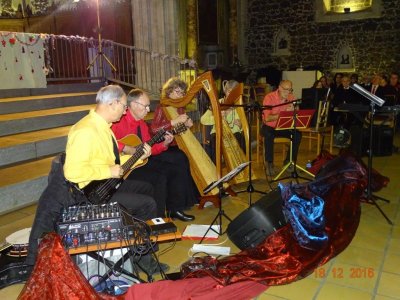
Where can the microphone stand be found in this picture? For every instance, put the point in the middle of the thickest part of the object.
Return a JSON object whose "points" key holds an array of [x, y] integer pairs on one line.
{"points": [[371, 198], [250, 188]]}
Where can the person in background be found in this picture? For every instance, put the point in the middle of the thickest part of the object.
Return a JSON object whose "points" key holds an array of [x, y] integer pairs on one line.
{"points": [[353, 78], [231, 117], [317, 84], [283, 94], [324, 82]]}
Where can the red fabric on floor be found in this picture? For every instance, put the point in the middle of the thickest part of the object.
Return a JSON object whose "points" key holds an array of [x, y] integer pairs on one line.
{"points": [[56, 277], [280, 259], [195, 289]]}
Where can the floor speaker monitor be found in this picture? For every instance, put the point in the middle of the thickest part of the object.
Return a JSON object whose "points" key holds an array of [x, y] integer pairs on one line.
{"points": [[257, 222]]}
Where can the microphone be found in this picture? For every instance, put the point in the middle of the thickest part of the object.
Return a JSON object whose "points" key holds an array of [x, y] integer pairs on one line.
{"points": [[296, 101]]}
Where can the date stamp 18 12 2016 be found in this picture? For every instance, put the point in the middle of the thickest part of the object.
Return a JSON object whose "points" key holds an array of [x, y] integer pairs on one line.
{"points": [[341, 273]]}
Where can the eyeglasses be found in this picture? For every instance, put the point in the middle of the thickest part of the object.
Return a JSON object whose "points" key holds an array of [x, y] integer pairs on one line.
{"points": [[290, 90], [123, 104], [179, 92], [145, 106]]}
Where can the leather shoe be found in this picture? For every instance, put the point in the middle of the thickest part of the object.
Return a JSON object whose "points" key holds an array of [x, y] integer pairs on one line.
{"points": [[181, 216]]}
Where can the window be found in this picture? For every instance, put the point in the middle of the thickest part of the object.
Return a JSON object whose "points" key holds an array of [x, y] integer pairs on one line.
{"points": [[342, 10]]}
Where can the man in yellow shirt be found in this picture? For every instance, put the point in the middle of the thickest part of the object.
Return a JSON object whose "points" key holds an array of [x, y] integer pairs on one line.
{"points": [[90, 154]]}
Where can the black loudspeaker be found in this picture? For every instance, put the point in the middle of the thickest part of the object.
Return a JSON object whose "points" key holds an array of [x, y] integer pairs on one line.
{"points": [[258, 221], [383, 141], [359, 140]]}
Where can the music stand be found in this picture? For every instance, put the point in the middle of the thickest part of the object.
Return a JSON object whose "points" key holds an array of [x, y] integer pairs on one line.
{"points": [[250, 188], [220, 184], [292, 120], [374, 100]]}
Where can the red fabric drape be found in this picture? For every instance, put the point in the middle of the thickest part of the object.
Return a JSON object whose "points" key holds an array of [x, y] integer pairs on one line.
{"points": [[56, 277], [195, 289], [280, 259]]}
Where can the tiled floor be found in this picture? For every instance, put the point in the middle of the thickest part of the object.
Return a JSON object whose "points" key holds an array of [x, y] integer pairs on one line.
{"points": [[368, 269]]}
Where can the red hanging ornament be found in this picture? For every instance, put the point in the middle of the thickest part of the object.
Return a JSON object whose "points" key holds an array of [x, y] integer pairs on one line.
{"points": [[31, 39], [12, 41], [3, 42]]}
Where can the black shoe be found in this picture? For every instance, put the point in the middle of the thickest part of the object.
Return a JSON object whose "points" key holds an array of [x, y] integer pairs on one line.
{"points": [[181, 216]]}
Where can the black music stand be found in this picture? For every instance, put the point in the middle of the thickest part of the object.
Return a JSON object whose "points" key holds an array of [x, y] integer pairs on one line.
{"points": [[251, 107], [292, 120], [374, 100], [220, 184]]}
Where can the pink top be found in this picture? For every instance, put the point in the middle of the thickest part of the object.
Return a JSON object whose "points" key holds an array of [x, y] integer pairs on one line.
{"points": [[271, 99]]}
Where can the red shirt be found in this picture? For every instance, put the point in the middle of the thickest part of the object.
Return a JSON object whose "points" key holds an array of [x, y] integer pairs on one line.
{"points": [[272, 99], [128, 125], [160, 121]]}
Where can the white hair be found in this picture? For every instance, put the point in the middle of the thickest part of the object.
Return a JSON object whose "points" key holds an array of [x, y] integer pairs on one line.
{"points": [[109, 93]]}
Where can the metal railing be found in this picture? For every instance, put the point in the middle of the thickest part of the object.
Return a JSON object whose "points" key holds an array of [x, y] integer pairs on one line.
{"points": [[77, 59]]}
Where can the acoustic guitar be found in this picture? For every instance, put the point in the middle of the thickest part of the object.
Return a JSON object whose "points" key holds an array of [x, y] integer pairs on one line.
{"points": [[101, 191]]}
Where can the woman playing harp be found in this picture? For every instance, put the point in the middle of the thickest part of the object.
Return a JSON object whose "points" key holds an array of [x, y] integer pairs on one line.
{"points": [[172, 107], [176, 88]]}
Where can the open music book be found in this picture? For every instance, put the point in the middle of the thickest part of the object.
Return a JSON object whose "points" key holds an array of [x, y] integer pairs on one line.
{"points": [[197, 232]]}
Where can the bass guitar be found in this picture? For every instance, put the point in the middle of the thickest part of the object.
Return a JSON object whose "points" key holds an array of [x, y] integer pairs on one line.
{"points": [[101, 191]]}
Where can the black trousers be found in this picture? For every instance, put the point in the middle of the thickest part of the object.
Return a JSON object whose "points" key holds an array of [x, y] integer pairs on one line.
{"points": [[135, 196], [269, 135], [169, 172]]}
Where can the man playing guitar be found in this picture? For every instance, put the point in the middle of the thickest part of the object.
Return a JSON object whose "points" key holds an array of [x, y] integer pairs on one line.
{"points": [[167, 178]]}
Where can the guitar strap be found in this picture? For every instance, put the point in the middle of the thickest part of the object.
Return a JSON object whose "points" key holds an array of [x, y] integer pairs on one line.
{"points": [[116, 152]]}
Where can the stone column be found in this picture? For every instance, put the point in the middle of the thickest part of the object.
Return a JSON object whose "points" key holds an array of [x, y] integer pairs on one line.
{"points": [[233, 29], [155, 30], [192, 29]]}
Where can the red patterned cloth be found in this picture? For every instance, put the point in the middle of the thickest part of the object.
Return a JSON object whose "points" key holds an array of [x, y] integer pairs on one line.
{"points": [[56, 277]]}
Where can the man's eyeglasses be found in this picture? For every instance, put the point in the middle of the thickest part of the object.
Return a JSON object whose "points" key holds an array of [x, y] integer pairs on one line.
{"points": [[290, 90], [123, 104], [145, 106]]}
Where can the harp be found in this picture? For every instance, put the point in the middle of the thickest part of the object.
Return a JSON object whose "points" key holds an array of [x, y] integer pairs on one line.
{"points": [[231, 151], [203, 170]]}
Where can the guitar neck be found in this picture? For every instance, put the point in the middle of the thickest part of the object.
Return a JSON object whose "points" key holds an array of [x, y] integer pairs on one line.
{"points": [[139, 151]]}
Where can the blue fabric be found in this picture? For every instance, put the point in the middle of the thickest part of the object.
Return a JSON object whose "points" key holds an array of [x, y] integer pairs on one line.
{"points": [[306, 218]]}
